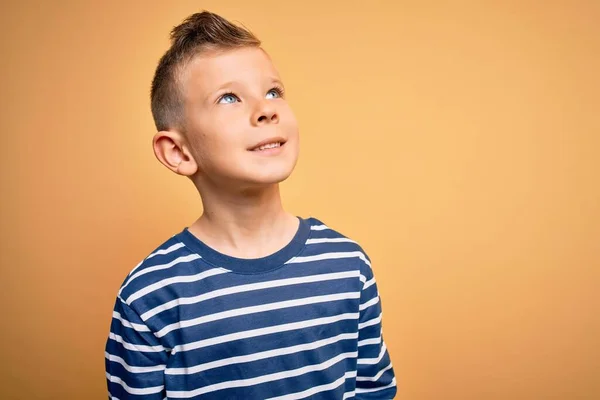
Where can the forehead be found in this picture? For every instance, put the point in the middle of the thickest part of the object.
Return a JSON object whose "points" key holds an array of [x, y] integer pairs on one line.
{"points": [[211, 69]]}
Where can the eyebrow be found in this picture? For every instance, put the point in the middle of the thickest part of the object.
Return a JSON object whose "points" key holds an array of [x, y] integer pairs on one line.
{"points": [[277, 81], [221, 87]]}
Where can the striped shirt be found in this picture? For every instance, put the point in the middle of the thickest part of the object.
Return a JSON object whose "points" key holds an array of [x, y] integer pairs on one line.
{"points": [[304, 322]]}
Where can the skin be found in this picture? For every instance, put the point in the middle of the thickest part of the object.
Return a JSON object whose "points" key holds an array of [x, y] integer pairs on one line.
{"points": [[234, 101]]}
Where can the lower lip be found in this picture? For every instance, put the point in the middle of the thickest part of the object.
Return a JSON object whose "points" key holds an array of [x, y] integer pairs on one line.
{"points": [[269, 152]]}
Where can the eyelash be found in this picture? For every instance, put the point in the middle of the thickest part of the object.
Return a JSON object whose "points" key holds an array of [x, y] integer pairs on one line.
{"points": [[280, 91]]}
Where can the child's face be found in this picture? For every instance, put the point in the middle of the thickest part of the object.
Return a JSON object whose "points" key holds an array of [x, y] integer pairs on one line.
{"points": [[232, 104]]}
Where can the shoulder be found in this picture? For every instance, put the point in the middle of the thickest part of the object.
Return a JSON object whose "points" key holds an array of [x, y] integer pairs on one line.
{"points": [[320, 232], [328, 239], [168, 261]]}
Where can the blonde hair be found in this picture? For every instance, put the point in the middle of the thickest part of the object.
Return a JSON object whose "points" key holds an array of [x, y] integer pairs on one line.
{"points": [[198, 32]]}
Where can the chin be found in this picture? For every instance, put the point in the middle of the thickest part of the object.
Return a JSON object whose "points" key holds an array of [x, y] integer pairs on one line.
{"points": [[271, 177], [271, 173]]}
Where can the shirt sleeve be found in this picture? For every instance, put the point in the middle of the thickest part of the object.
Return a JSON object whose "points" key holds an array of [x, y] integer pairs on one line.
{"points": [[135, 360], [375, 374]]}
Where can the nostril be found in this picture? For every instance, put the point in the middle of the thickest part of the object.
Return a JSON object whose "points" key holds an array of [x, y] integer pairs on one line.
{"points": [[262, 118]]}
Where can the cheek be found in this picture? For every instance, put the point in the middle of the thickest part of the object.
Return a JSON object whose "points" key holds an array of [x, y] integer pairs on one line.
{"points": [[289, 123], [213, 138], [228, 129]]}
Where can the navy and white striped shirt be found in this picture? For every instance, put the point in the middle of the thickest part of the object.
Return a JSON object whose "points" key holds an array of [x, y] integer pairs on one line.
{"points": [[305, 322]]}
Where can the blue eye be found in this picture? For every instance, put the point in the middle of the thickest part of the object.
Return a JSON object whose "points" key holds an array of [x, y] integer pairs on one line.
{"points": [[228, 98], [274, 93]]}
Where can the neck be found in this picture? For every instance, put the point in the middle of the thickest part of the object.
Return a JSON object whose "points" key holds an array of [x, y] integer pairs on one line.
{"points": [[252, 224]]}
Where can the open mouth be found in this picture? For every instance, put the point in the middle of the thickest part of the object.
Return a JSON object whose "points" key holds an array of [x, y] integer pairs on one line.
{"points": [[269, 145]]}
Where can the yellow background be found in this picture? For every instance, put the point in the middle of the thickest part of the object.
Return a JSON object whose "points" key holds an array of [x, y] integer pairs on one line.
{"points": [[457, 141]]}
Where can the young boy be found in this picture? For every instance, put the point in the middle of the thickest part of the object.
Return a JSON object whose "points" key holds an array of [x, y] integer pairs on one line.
{"points": [[249, 302]]}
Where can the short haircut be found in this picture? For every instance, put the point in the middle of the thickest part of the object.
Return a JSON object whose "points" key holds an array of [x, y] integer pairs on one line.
{"points": [[197, 33]]}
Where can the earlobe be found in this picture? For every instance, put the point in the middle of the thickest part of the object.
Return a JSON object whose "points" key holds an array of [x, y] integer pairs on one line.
{"points": [[170, 150]]}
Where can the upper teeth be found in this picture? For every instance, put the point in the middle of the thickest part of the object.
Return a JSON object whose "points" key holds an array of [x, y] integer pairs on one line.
{"points": [[269, 146]]}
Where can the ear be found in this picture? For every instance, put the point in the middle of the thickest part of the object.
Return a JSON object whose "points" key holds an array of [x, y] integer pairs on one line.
{"points": [[172, 151]]}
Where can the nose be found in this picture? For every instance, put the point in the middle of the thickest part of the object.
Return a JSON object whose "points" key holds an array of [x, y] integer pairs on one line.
{"points": [[265, 114]]}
